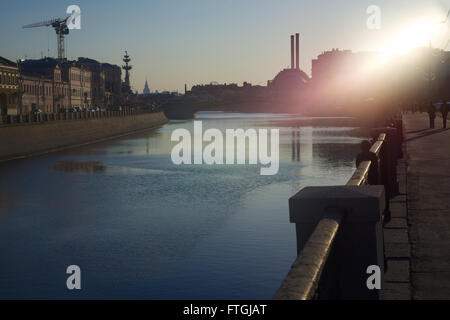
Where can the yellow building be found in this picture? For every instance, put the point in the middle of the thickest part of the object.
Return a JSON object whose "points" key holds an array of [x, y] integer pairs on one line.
{"points": [[9, 87]]}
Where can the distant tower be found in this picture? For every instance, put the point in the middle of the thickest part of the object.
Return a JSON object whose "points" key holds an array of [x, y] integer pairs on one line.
{"points": [[127, 68], [146, 88]]}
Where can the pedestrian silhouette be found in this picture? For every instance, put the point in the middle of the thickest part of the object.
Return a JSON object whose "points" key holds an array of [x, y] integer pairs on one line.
{"points": [[431, 114], [444, 111]]}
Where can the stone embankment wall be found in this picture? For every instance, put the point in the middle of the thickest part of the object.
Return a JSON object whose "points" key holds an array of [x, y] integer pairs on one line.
{"points": [[34, 138]]}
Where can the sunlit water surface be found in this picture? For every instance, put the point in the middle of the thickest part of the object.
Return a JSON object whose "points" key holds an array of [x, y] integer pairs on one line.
{"points": [[141, 227]]}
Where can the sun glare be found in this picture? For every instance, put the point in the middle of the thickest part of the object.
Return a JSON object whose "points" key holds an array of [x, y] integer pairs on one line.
{"points": [[414, 33], [412, 36], [417, 32]]}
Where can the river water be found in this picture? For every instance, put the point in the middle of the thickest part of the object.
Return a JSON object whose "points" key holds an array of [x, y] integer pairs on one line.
{"points": [[141, 227]]}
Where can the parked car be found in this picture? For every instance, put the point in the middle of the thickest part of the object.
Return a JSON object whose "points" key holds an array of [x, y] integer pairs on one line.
{"points": [[72, 109], [95, 109], [36, 111], [116, 108]]}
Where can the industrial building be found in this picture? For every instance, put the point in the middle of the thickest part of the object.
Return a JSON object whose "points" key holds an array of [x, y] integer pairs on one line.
{"points": [[291, 81]]}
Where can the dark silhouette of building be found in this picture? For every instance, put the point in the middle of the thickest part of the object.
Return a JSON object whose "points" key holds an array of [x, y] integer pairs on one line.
{"points": [[341, 76], [113, 84], [293, 81], [97, 81], [146, 90]]}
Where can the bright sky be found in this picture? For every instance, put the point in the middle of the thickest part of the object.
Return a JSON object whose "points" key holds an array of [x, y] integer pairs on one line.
{"points": [[199, 41]]}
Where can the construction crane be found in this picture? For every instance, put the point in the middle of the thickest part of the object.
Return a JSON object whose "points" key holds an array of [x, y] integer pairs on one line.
{"points": [[61, 27]]}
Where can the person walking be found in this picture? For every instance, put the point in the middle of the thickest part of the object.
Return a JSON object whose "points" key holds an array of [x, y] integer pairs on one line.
{"points": [[444, 111], [431, 114]]}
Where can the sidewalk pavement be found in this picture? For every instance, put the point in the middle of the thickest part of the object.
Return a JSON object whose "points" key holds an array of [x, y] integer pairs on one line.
{"points": [[428, 206]]}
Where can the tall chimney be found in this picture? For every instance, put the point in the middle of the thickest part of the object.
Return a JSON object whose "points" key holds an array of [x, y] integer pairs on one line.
{"points": [[292, 52], [297, 51]]}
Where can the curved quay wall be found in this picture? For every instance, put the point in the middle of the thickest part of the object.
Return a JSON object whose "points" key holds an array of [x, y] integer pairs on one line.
{"points": [[34, 138]]}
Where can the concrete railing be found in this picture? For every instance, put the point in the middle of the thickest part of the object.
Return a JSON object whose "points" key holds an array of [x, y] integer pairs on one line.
{"points": [[302, 281], [361, 175], [340, 232]]}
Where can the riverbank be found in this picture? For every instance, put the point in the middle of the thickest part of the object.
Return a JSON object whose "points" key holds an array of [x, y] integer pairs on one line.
{"points": [[31, 139]]}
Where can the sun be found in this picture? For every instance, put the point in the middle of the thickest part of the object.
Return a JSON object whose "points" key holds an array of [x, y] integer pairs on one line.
{"points": [[419, 31], [418, 34]]}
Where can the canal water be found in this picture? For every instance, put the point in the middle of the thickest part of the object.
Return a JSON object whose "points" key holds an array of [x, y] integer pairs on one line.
{"points": [[141, 227]]}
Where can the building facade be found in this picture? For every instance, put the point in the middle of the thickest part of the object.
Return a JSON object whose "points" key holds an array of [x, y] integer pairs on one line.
{"points": [[37, 93], [97, 80], [9, 87], [61, 91], [84, 83], [79, 83], [86, 90], [36, 76], [113, 85]]}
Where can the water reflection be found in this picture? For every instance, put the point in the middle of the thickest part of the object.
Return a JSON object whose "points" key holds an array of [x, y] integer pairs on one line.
{"points": [[79, 166], [142, 227], [72, 166], [295, 145]]}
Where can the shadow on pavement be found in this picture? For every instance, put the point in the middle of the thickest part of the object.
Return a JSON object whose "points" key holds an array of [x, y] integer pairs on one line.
{"points": [[428, 133]]}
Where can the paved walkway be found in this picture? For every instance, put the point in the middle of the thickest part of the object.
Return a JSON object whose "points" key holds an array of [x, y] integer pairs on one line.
{"points": [[428, 206]]}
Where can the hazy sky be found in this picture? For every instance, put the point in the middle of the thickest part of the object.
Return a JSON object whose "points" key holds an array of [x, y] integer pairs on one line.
{"points": [[199, 41]]}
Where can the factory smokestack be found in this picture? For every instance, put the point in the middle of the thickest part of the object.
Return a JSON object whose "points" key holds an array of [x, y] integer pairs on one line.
{"points": [[292, 52], [297, 51]]}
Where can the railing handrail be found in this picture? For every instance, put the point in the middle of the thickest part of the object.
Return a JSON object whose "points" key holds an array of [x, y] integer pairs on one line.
{"points": [[302, 281], [361, 174], [376, 147], [381, 137]]}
